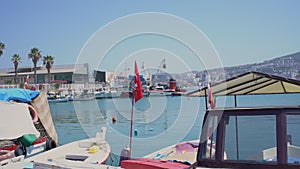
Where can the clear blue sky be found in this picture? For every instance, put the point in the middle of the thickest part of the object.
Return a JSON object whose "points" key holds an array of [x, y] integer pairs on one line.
{"points": [[241, 31]]}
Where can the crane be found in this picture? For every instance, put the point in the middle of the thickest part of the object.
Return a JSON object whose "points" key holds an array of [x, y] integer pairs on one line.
{"points": [[161, 65]]}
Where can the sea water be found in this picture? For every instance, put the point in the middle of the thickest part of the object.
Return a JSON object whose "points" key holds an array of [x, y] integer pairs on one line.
{"points": [[157, 121]]}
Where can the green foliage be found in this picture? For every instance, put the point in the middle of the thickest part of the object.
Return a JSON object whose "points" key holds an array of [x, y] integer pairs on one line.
{"points": [[56, 85], [2, 47], [21, 85], [9, 81]]}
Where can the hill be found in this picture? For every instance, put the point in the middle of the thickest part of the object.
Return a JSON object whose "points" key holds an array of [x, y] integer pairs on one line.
{"points": [[286, 66]]}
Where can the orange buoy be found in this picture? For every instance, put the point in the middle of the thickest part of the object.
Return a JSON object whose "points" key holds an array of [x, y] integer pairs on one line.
{"points": [[114, 120]]}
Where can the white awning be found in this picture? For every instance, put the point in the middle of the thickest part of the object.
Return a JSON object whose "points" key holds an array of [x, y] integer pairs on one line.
{"points": [[15, 121]]}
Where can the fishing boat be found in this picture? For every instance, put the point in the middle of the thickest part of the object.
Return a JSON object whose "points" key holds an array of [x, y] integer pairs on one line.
{"points": [[112, 93], [26, 126], [28, 138], [272, 142], [85, 153], [273, 139], [159, 90], [56, 98], [83, 96], [99, 94], [22, 139]]}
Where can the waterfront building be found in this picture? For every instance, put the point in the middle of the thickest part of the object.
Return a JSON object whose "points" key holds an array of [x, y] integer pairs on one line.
{"points": [[78, 73]]}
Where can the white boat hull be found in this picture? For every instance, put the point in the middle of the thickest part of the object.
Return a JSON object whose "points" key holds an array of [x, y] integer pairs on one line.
{"points": [[83, 153]]}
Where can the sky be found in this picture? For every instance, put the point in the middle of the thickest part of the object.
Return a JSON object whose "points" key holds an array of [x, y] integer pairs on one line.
{"points": [[72, 31]]}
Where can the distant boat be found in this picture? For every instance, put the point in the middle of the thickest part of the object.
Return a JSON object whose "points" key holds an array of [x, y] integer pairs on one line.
{"points": [[99, 94], [56, 98], [83, 98], [112, 93]]}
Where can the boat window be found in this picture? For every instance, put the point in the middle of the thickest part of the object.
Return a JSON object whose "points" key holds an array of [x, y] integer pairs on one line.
{"points": [[250, 137], [209, 134], [293, 136]]}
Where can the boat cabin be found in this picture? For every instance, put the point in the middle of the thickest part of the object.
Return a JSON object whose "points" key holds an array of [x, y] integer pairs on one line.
{"points": [[266, 137], [252, 136]]}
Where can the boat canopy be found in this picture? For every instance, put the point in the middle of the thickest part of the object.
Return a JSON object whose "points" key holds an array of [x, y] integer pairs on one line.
{"points": [[16, 94], [251, 83]]}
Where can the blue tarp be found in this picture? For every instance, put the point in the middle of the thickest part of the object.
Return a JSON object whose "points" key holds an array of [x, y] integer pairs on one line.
{"points": [[17, 94]]}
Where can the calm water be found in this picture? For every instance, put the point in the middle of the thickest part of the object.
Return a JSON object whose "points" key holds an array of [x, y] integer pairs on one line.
{"points": [[158, 121]]}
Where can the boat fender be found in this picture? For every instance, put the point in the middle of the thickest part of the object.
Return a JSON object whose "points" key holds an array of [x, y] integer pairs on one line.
{"points": [[50, 144], [33, 113], [19, 151], [6, 154], [135, 132], [125, 154]]}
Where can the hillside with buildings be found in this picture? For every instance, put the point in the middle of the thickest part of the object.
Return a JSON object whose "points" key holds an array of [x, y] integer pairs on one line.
{"points": [[286, 66]]}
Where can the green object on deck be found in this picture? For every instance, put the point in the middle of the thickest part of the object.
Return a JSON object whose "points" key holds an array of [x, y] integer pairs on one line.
{"points": [[28, 139]]}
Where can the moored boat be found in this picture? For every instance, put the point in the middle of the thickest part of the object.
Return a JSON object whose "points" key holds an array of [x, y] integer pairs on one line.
{"points": [[23, 134], [99, 94], [91, 152], [56, 98], [273, 139], [272, 142], [183, 152]]}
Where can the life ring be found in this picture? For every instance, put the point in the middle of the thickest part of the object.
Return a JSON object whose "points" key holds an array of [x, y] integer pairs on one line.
{"points": [[6, 154], [33, 113]]}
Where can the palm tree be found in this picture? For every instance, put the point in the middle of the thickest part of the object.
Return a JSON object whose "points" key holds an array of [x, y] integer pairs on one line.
{"points": [[2, 47], [16, 59], [48, 61], [35, 56]]}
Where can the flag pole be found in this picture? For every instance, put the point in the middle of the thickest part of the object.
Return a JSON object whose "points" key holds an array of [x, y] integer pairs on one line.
{"points": [[137, 94], [131, 123]]}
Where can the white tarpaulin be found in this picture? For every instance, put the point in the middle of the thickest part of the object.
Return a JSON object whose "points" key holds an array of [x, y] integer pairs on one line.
{"points": [[15, 121]]}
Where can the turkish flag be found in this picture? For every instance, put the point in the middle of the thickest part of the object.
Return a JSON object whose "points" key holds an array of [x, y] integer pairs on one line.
{"points": [[138, 90], [26, 82]]}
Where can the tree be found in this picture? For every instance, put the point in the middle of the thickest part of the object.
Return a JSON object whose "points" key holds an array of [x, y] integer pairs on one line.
{"points": [[35, 56], [48, 61], [2, 47], [16, 59]]}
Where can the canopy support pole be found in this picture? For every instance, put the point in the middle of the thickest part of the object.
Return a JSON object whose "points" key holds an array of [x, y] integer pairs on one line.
{"points": [[236, 132]]}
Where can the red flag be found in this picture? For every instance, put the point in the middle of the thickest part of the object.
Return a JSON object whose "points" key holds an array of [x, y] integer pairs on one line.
{"points": [[138, 91], [26, 82], [211, 99]]}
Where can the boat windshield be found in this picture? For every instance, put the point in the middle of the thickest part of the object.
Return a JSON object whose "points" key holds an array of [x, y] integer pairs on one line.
{"points": [[248, 135], [255, 136]]}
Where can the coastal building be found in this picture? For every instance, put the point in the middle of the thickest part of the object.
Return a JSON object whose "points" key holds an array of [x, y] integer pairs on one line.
{"points": [[78, 73]]}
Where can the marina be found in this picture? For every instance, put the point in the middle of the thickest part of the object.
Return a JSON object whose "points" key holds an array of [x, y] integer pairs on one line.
{"points": [[160, 122], [150, 85]]}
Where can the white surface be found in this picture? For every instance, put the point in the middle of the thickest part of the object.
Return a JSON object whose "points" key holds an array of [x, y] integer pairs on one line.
{"points": [[57, 155], [15, 121]]}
